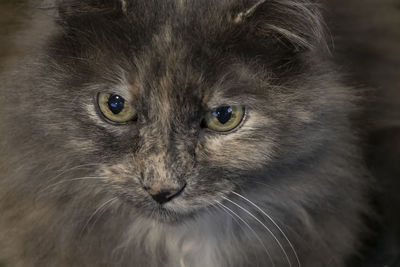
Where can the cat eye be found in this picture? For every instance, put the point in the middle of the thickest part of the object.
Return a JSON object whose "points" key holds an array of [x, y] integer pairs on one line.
{"points": [[224, 118], [115, 108]]}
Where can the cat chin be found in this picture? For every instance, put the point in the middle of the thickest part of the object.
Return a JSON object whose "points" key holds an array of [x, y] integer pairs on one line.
{"points": [[170, 214], [167, 216]]}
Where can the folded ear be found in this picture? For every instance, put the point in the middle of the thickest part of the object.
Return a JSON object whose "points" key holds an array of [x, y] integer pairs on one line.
{"points": [[297, 23]]}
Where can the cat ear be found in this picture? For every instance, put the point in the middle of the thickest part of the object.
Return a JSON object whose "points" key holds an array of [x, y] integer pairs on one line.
{"points": [[294, 22], [244, 15]]}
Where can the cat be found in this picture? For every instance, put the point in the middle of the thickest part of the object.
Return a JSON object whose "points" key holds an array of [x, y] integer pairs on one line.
{"points": [[179, 133]]}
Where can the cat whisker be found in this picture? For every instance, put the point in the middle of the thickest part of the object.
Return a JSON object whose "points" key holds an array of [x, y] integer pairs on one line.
{"points": [[71, 180], [101, 208], [74, 168], [230, 211], [273, 221], [233, 217], [264, 226], [214, 205]]}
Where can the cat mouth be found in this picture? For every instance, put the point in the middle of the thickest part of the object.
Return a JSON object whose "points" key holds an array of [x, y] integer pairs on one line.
{"points": [[179, 208], [174, 212], [171, 212], [168, 215]]}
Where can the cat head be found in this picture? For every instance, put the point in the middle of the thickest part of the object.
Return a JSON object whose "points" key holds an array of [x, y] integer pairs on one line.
{"points": [[174, 105]]}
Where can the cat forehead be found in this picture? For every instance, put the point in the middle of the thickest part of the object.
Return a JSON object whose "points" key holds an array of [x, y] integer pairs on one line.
{"points": [[165, 42], [177, 8]]}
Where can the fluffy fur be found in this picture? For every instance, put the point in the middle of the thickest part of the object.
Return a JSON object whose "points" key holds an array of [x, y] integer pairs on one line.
{"points": [[288, 188]]}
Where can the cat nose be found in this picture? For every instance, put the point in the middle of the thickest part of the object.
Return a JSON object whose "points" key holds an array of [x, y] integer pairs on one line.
{"points": [[164, 195]]}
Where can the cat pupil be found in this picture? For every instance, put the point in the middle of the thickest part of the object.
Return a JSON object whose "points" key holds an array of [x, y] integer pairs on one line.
{"points": [[223, 114], [116, 104]]}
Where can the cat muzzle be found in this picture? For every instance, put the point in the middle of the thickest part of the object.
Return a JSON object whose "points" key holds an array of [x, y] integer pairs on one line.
{"points": [[163, 195]]}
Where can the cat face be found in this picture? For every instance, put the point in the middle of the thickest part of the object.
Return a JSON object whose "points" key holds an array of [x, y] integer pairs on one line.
{"points": [[149, 133], [175, 70]]}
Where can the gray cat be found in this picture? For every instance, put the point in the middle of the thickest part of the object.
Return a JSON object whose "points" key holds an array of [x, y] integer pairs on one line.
{"points": [[179, 133]]}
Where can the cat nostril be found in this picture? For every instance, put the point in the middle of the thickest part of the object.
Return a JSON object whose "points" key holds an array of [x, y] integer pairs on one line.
{"points": [[163, 196]]}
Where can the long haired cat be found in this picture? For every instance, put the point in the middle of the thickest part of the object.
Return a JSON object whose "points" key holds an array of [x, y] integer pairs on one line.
{"points": [[182, 133]]}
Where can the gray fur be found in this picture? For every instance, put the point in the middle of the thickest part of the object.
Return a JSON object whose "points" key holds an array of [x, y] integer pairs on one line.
{"points": [[71, 184]]}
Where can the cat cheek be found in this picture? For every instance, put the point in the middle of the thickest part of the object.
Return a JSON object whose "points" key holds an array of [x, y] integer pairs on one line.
{"points": [[239, 150], [120, 173], [240, 156], [87, 146]]}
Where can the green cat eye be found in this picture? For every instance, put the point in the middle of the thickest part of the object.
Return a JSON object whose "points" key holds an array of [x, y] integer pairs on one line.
{"points": [[225, 118], [115, 108]]}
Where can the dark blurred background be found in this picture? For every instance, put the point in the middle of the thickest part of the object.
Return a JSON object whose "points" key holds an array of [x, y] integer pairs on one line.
{"points": [[366, 46], [11, 12]]}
